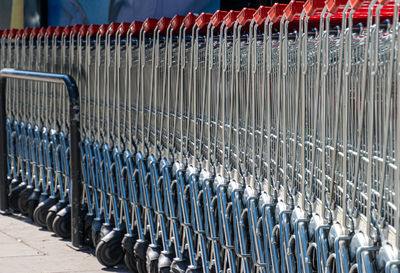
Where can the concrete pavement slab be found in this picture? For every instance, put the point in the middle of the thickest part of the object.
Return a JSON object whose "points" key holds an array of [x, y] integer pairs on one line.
{"points": [[26, 248]]}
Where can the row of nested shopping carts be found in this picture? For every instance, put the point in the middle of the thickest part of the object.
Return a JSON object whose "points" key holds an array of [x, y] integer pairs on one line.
{"points": [[256, 141]]}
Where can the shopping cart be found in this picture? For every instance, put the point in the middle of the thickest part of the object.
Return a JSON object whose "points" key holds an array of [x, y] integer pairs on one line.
{"points": [[255, 141]]}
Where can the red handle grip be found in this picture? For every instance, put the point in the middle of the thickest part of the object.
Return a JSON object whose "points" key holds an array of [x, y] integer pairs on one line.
{"points": [[293, 10], [75, 29], [189, 20], [230, 18], [261, 15], [135, 28], [312, 7], [245, 16], [163, 24], [276, 12], [177, 22], [149, 25], [203, 20], [93, 29], [123, 29], [58, 32], [218, 18], [13, 33]]}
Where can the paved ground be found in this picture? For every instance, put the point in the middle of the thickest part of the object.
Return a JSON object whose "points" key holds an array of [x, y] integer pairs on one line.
{"points": [[25, 248]]}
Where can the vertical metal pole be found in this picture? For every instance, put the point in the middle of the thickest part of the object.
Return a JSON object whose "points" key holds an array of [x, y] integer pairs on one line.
{"points": [[4, 206], [77, 229]]}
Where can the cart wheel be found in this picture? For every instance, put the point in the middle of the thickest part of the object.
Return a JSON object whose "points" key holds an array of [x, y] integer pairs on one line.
{"points": [[164, 262], [41, 211], [105, 229], [109, 250], [88, 220], [23, 199], [96, 227], [62, 223], [130, 262], [14, 196], [179, 266], [51, 215], [140, 249], [127, 244], [152, 255], [33, 202]]}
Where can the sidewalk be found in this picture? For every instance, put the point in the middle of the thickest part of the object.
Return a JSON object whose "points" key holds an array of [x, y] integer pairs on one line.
{"points": [[25, 248]]}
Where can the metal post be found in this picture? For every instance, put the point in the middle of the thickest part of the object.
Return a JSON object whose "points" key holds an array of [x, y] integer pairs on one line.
{"points": [[77, 229], [4, 206]]}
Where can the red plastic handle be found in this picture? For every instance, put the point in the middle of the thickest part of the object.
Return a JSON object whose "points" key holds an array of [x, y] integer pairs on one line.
{"points": [[27, 32], [123, 29], [75, 29], [35, 32], [293, 10], [149, 25], [42, 32], [13, 33], [177, 22], [276, 12], [189, 20], [203, 20], [67, 31], [313, 6], [135, 28], [218, 18], [113, 28], [334, 5], [5, 33], [50, 31], [103, 29], [261, 14], [83, 30], [230, 18], [245, 16], [163, 24], [20, 32], [93, 29], [58, 32]]}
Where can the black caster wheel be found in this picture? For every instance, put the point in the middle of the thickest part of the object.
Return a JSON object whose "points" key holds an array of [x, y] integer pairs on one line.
{"points": [[62, 223], [128, 244], [14, 196], [41, 211], [152, 255], [88, 220], [140, 250], [23, 199], [43, 197], [179, 266], [51, 215], [164, 262], [95, 230], [33, 202], [105, 229], [130, 262], [109, 250]]}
